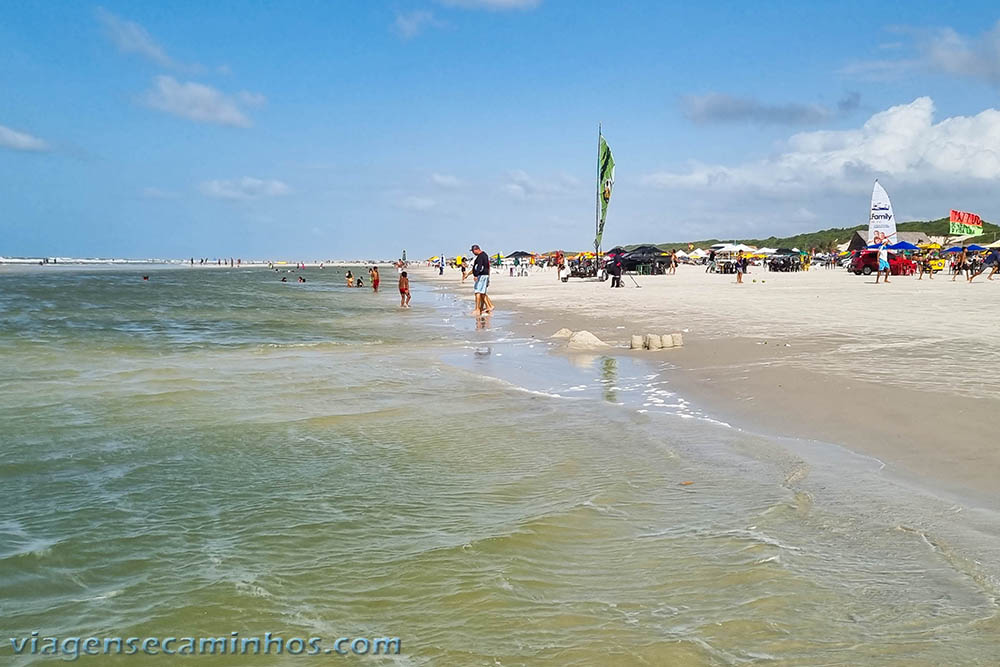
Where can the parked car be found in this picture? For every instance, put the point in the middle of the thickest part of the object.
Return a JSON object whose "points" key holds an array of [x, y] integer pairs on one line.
{"points": [[866, 263]]}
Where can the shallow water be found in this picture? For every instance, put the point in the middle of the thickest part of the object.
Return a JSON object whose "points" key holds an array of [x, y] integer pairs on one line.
{"points": [[215, 451]]}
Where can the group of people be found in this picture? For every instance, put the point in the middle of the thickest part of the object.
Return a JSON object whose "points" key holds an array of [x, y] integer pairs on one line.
{"points": [[219, 262], [973, 265], [373, 278]]}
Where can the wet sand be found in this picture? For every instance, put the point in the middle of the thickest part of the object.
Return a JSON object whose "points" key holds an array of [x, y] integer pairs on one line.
{"points": [[903, 372]]}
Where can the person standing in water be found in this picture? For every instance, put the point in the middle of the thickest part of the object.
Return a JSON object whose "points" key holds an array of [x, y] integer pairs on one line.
{"points": [[404, 290], [375, 279], [481, 272], [350, 279]]}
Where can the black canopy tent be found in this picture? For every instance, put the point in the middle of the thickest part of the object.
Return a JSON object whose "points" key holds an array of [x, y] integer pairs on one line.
{"points": [[646, 254]]}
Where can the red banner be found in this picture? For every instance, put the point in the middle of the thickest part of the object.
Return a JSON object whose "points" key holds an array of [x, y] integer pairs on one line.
{"points": [[966, 218]]}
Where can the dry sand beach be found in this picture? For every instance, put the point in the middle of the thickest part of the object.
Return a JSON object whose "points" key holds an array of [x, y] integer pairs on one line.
{"points": [[904, 372]]}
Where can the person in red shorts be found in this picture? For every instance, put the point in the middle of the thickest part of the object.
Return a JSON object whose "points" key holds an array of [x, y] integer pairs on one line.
{"points": [[404, 290]]}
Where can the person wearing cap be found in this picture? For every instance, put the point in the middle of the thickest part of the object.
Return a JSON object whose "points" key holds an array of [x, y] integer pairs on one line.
{"points": [[481, 272]]}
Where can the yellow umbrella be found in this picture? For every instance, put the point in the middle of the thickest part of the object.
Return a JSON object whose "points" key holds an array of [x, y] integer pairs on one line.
{"points": [[929, 246]]}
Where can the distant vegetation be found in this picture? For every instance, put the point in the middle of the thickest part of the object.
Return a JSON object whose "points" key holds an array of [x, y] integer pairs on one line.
{"points": [[827, 239]]}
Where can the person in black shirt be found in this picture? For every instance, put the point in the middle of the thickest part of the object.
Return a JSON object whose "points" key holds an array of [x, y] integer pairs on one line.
{"points": [[615, 269], [481, 272]]}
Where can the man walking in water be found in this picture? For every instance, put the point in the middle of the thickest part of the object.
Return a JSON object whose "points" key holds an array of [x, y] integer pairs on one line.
{"points": [[883, 261], [481, 272], [404, 290]]}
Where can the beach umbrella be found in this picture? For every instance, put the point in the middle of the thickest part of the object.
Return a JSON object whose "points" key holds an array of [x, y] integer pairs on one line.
{"points": [[930, 246], [995, 244], [975, 248], [954, 249], [903, 245]]}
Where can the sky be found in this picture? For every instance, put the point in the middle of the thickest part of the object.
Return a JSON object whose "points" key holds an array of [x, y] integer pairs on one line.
{"points": [[352, 129]]}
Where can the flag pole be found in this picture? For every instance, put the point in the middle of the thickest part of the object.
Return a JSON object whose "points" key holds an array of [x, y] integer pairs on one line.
{"points": [[597, 205]]}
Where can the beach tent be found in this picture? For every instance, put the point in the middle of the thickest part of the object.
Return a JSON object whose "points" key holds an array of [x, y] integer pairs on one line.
{"points": [[645, 254], [995, 244], [929, 246], [975, 248], [518, 253], [681, 253], [954, 249], [698, 253], [766, 251], [903, 245]]}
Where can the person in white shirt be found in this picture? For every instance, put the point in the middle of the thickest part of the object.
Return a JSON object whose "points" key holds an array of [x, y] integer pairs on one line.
{"points": [[883, 262]]}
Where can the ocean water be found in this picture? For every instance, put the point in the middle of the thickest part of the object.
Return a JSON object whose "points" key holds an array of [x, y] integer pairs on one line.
{"points": [[214, 452]]}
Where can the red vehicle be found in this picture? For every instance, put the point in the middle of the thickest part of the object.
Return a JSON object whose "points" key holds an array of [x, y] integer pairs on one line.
{"points": [[866, 263]]}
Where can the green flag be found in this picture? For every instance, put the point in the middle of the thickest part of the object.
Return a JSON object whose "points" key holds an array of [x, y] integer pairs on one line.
{"points": [[604, 185]]}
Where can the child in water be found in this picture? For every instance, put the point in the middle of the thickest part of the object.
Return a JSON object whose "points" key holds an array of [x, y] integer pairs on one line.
{"points": [[404, 290]]}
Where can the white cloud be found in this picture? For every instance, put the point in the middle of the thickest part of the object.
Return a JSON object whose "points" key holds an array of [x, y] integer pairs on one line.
{"points": [[723, 108], [493, 5], [521, 185], [21, 141], [199, 102], [410, 24], [130, 37], [244, 188], [446, 180], [251, 99], [938, 50], [902, 142], [417, 203]]}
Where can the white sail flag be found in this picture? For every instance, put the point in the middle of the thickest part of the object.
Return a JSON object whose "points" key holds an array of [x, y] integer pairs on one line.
{"points": [[881, 223]]}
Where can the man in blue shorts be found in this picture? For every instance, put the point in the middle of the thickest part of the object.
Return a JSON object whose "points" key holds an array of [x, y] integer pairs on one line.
{"points": [[481, 272], [883, 262]]}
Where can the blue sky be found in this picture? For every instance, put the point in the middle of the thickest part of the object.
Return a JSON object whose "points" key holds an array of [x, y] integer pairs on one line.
{"points": [[357, 129]]}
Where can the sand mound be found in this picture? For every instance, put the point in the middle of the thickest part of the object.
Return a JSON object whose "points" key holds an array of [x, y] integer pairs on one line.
{"points": [[584, 340], [562, 333]]}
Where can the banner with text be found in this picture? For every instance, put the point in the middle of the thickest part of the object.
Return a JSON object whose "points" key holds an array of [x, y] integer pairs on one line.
{"points": [[965, 224]]}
